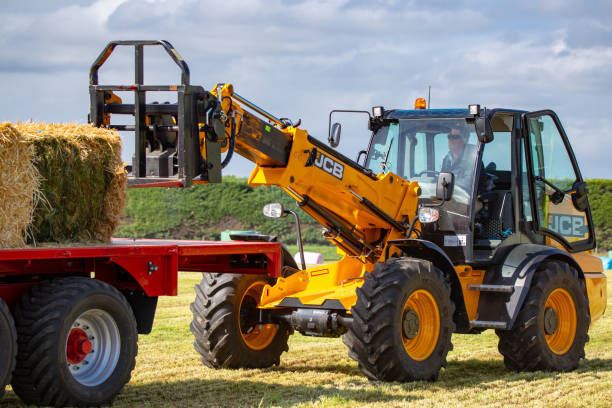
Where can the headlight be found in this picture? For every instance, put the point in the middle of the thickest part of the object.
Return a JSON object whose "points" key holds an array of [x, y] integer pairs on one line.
{"points": [[378, 111], [428, 214], [474, 109]]}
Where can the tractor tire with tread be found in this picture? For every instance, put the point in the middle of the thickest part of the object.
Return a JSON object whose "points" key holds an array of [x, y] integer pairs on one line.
{"points": [[380, 340], [50, 318], [527, 346], [8, 351], [224, 323]]}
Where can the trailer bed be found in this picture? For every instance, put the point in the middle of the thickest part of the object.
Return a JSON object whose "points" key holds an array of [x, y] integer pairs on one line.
{"points": [[150, 265]]}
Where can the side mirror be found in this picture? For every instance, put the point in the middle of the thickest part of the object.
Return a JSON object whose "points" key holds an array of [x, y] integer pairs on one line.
{"points": [[446, 184], [334, 135], [483, 129], [274, 210], [579, 196], [361, 153]]}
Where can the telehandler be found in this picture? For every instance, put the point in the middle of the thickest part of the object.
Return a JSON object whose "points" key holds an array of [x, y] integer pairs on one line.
{"points": [[449, 221]]}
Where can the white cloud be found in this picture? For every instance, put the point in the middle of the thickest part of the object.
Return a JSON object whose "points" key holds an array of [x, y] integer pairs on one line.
{"points": [[303, 58]]}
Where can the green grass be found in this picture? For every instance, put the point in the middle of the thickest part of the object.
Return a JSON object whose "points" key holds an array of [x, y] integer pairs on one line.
{"points": [[317, 372], [328, 251]]}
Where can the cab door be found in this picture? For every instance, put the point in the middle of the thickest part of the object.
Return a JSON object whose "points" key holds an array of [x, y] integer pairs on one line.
{"points": [[559, 205]]}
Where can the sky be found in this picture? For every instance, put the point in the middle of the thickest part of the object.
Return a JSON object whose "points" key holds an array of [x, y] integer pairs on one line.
{"points": [[301, 58]]}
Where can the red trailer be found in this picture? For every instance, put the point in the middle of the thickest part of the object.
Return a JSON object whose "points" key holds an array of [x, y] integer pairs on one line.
{"points": [[70, 316]]}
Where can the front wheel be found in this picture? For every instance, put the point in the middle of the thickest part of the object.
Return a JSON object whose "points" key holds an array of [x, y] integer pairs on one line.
{"points": [[226, 324], [402, 322], [77, 343], [551, 328]]}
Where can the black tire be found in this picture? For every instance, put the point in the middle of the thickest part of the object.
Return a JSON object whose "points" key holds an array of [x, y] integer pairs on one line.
{"points": [[224, 313], [525, 347], [51, 322], [8, 346], [377, 337]]}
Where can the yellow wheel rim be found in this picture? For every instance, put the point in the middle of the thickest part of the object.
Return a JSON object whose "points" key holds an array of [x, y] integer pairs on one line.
{"points": [[559, 321], [420, 336], [255, 336]]}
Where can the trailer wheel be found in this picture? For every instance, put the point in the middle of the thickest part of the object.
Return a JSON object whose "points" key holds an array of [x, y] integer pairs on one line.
{"points": [[551, 328], [402, 322], [8, 348], [77, 343], [225, 323]]}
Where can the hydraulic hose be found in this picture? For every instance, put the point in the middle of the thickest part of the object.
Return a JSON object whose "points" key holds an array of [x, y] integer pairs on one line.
{"points": [[232, 141]]}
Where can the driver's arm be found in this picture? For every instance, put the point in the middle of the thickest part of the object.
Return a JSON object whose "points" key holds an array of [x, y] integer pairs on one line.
{"points": [[446, 165]]}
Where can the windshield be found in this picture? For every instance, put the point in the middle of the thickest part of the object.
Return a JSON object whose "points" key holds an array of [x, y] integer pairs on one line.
{"points": [[419, 149]]}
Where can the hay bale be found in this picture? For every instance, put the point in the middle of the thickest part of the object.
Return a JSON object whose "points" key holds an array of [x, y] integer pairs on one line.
{"points": [[83, 182], [19, 183]]}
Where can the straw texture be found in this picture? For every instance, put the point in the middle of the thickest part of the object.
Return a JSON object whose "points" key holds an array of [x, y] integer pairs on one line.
{"points": [[19, 187], [82, 182]]}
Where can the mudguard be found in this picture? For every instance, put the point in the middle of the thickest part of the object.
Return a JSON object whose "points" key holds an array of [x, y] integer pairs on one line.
{"points": [[143, 307], [515, 267]]}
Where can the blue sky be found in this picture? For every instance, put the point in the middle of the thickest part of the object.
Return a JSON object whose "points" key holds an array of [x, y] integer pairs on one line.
{"points": [[300, 59]]}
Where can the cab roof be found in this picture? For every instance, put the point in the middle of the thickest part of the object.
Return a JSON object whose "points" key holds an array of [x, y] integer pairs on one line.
{"points": [[440, 113], [427, 113]]}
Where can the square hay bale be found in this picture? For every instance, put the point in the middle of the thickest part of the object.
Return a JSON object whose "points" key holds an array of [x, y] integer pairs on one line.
{"points": [[83, 182], [19, 186]]}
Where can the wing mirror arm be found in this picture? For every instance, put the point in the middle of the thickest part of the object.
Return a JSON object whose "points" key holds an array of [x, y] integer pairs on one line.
{"points": [[276, 210]]}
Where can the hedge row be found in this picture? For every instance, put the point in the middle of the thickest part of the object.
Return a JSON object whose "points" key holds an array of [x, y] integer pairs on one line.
{"points": [[203, 212]]}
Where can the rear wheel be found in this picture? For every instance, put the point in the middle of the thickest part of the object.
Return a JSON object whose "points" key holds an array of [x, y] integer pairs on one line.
{"points": [[77, 343], [402, 322], [551, 329], [226, 323], [8, 346]]}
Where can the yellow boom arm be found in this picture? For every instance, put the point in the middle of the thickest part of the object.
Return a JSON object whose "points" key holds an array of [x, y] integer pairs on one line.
{"points": [[360, 211]]}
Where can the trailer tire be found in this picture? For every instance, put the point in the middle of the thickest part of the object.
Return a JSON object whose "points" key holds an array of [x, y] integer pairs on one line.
{"points": [[550, 330], [402, 322], [224, 323], [77, 343], [8, 346]]}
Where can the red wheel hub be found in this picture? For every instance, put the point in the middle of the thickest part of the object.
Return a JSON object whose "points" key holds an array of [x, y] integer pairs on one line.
{"points": [[78, 346]]}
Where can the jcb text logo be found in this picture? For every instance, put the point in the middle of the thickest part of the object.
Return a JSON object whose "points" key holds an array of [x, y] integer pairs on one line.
{"points": [[567, 225], [329, 165]]}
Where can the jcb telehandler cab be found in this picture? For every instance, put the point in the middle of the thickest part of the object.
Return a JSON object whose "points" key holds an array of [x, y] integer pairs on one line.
{"points": [[458, 220]]}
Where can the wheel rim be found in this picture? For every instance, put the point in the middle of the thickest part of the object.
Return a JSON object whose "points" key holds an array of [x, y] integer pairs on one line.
{"points": [[93, 346], [561, 331], [255, 336], [420, 336]]}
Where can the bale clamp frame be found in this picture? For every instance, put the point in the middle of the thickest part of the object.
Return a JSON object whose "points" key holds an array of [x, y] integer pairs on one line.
{"points": [[175, 143]]}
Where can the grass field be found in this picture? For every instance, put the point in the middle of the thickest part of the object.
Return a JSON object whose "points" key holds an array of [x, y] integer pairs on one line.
{"points": [[327, 251], [317, 372]]}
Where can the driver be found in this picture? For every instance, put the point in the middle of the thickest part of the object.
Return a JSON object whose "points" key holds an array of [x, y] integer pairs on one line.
{"points": [[460, 157]]}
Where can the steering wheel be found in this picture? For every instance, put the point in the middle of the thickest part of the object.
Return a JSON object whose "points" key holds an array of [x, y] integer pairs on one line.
{"points": [[430, 173]]}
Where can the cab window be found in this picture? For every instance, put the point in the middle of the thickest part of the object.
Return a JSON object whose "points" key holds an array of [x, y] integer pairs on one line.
{"points": [[554, 177]]}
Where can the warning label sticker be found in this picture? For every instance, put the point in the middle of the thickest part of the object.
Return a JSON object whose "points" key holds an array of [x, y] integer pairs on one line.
{"points": [[455, 240]]}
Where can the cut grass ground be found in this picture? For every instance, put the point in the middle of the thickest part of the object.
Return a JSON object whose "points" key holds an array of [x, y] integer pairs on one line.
{"points": [[317, 372]]}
